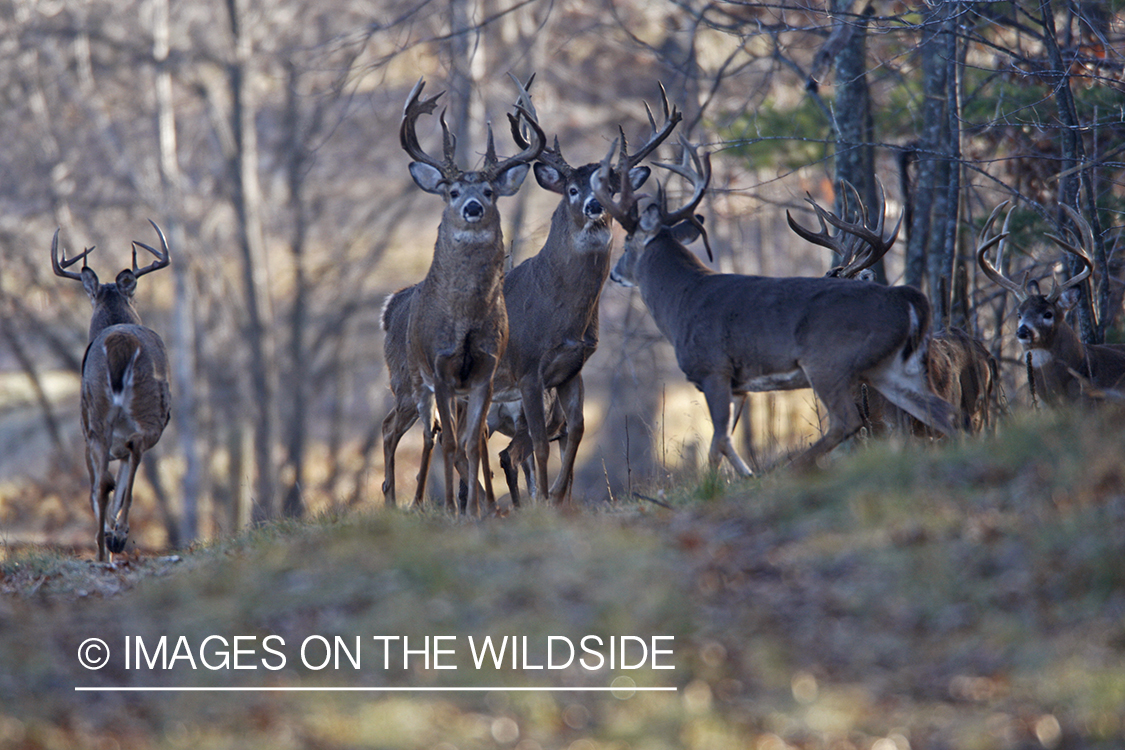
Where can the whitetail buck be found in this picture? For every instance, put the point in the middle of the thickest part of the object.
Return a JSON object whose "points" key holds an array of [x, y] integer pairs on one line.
{"points": [[552, 299], [958, 367], [735, 334], [1064, 368], [552, 307], [125, 398], [457, 326]]}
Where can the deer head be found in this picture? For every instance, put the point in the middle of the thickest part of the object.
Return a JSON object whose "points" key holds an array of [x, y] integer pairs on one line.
{"points": [[113, 302], [470, 197]]}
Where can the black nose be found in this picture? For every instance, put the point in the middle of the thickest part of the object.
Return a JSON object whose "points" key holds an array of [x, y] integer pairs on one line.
{"points": [[593, 208], [473, 210], [1023, 333]]}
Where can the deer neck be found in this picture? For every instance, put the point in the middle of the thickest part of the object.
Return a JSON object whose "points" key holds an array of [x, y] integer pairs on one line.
{"points": [[668, 273], [468, 264], [112, 309], [578, 257], [1066, 352]]}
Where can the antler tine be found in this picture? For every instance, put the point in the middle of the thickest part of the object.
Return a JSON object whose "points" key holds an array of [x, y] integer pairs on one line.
{"points": [[876, 245], [985, 243], [551, 156], [696, 170], [623, 207], [60, 266], [163, 257], [1086, 235], [408, 136], [529, 153], [672, 117]]}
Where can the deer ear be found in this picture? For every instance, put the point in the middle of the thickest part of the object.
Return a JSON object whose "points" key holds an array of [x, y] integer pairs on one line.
{"points": [[638, 175], [650, 219], [550, 178], [90, 282], [686, 232], [509, 182], [427, 177], [127, 282], [1069, 298], [1033, 288]]}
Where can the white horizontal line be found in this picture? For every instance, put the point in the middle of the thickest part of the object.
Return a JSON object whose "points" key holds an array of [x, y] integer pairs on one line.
{"points": [[283, 689]]}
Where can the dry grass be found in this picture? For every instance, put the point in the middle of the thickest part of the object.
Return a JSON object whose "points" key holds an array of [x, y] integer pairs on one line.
{"points": [[967, 596]]}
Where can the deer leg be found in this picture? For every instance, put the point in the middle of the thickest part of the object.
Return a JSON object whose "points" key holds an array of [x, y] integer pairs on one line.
{"points": [[395, 425], [843, 416], [101, 485], [425, 412], [448, 440], [531, 392], [473, 443], [572, 395], [123, 497], [716, 390], [509, 467]]}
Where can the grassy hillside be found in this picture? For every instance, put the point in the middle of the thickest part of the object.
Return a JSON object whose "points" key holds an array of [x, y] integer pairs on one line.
{"points": [[965, 596]]}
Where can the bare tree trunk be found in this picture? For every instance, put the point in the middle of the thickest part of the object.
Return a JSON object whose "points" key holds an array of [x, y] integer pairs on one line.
{"points": [[183, 333], [931, 194], [292, 504], [853, 122], [957, 311], [1092, 328], [247, 192]]}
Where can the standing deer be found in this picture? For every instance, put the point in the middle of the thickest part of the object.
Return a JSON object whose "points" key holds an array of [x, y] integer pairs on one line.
{"points": [[552, 307], [958, 367], [457, 325], [1063, 366], [552, 298], [125, 398], [734, 334]]}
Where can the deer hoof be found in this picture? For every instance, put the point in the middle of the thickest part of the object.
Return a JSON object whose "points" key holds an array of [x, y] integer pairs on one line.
{"points": [[116, 543]]}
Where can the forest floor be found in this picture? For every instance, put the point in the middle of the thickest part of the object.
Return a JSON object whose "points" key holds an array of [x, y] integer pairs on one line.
{"points": [[968, 595]]}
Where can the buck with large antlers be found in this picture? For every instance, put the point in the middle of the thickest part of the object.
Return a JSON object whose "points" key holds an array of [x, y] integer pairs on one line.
{"points": [[734, 334], [1064, 367], [958, 367], [125, 398], [552, 307], [457, 326]]}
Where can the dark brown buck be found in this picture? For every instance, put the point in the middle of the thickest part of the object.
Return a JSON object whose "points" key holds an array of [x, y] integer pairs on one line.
{"points": [[552, 300], [1064, 368], [958, 367], [735, 334], [125, 398], [457, 327]]}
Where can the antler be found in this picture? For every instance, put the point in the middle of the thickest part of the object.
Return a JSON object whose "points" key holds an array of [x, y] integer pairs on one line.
{"points": [[552, 155], [854, 260], [61, 266], [1086, 239], [531, 151], [672, 117], [985, 243], [624, 208], [697, 170], [416, 106], [163, 258]]}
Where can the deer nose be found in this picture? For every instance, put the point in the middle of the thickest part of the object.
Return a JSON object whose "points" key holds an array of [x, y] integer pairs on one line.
{"points": [[472, 210], [593, 208], [1023, 333]]}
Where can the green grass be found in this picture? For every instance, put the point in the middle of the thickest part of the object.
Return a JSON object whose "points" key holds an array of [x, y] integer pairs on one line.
{"points": [[967, 595]]}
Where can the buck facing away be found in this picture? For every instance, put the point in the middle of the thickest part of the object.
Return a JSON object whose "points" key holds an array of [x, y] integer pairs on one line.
{"points": [[735, 334], [457, 325], [959, 368], [1064, 368], [125, 398]]}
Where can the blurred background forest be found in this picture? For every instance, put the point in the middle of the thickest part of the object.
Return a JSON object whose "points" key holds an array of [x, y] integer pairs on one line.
{"points": [[262, 136]]}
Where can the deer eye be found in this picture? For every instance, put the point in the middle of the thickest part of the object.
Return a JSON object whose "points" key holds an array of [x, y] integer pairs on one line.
{"points": [[488, 192], [1048, 315], [454, 194], [573, 191]]}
